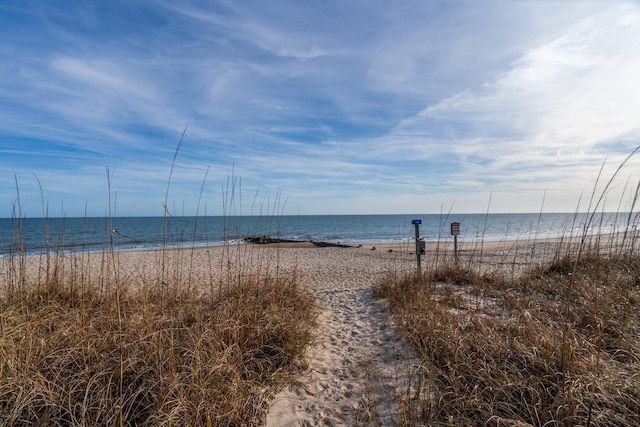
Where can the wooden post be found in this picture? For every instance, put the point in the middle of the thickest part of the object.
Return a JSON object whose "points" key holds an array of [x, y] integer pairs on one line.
{"points": [[418, 248], [455, 231], [455, 249], [416, 223]]}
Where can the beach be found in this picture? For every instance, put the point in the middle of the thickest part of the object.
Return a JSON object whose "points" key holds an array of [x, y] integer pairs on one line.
{"points": [[357, 363], [356, 354]]}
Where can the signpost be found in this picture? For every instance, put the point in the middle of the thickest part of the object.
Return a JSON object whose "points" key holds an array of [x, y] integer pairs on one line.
{"points": [[419, 243], [455, 232]]}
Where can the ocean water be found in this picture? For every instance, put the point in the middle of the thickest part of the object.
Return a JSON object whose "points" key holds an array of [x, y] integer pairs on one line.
{"points": [[35, 235]]}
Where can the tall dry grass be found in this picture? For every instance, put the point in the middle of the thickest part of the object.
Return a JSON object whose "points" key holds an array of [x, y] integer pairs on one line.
{"points": [[73, 355], [83, 346], [538, 333], [83, 342], [496, 351], [542, 333]]}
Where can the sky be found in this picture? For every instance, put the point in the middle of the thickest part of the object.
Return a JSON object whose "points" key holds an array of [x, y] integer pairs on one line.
{"points": [[131, 107]]}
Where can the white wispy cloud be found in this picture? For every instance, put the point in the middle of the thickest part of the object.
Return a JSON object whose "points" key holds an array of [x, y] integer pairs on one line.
{"points": [[570, 100]]}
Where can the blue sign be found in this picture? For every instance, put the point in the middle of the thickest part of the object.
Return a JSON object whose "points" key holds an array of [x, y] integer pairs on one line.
{"points": [[416, 221]]}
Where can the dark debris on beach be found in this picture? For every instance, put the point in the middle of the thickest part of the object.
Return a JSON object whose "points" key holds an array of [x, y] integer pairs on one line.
{"points": [[265, 240]]}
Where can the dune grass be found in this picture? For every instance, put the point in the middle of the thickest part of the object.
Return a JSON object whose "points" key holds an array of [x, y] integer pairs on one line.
{"points": [[558, 344], [77, 349], [84, 343], [542, 333]]}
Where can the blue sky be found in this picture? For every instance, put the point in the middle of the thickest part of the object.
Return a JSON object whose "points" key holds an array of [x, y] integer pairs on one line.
{"points": [[324, 107]]}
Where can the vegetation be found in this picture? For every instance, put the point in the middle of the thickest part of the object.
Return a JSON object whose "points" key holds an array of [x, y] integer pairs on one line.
{"points": [[83, 343], [547, 335], [557, 345]]}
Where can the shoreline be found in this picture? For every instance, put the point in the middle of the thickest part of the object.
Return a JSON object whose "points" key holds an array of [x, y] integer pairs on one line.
{"points": [[202, 266], [36, 246], [445, 245]]}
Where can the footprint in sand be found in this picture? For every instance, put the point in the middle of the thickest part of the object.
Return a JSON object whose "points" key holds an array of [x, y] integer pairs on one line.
{"points": [[346, 375]]}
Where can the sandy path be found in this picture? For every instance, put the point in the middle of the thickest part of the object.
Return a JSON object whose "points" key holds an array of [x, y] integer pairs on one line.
{"points": [[356, 365]]}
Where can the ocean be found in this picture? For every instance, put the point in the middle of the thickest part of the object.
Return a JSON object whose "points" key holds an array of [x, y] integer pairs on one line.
{"points": [[34, 235]]}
